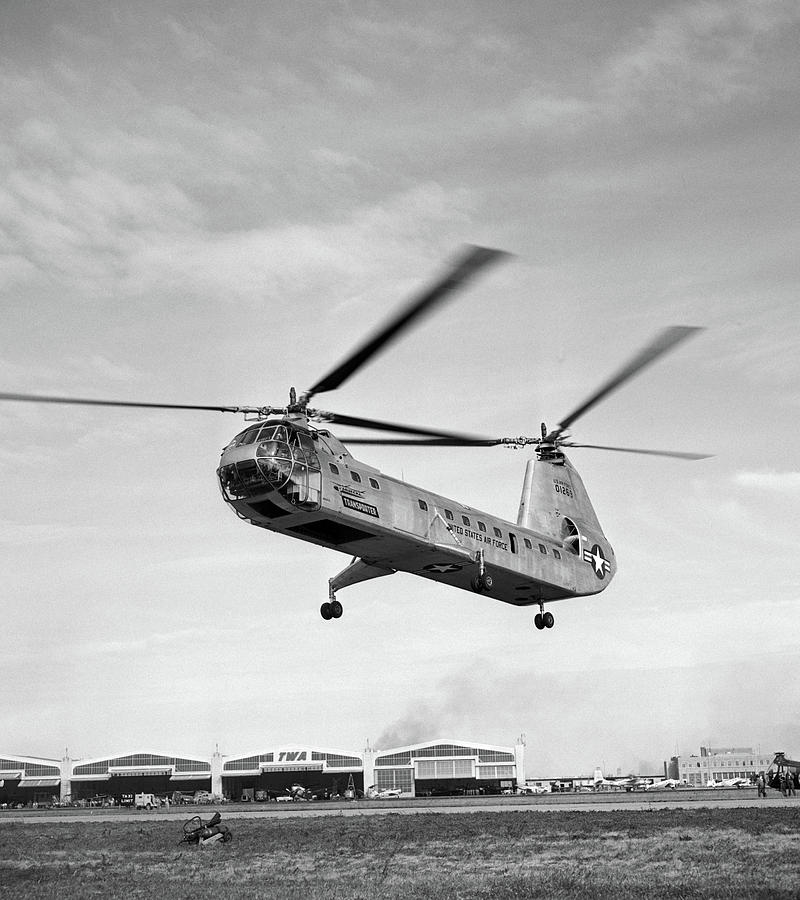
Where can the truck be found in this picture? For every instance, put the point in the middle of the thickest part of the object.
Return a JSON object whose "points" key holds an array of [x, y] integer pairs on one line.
{"points": [[147, 801]]}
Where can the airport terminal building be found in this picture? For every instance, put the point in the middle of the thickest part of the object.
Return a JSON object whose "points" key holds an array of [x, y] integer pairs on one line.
{"points": [[716, 764], [434, 768]]}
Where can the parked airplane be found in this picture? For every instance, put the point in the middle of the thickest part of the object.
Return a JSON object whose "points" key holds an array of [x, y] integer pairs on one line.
{"points": [[730, 782], [629, 783], [374, 793], [668, 784]]}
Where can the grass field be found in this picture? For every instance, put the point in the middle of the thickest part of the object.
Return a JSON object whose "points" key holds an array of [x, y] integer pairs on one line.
{"points": [[708, 853]]}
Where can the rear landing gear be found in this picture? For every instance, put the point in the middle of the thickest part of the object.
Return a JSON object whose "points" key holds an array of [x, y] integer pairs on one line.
{"points": [[543, 619], [331, 610]]}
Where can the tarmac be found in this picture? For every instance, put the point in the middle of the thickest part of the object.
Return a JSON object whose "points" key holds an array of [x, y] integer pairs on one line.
{"points": [[636, 800]]}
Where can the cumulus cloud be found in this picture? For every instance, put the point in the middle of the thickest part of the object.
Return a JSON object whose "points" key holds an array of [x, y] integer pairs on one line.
{"points": [[694, 55], [769, 480]]}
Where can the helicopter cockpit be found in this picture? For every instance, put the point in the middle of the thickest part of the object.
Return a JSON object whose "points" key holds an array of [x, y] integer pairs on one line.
{"points": [[272, 456]]}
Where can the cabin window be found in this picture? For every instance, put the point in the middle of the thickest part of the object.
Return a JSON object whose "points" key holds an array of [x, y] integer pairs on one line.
{"points": [[556, 554], [481, 527], [528, 544], [448, 515], [356, 477], [465, 520], [497, 532], [334, 468], [423, 505], [513, 539], [374, 484], [542, 548]]}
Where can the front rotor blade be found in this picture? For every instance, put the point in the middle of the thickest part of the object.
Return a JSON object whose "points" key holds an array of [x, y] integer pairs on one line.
{"points": [[424, 442], [377, 425], [472, 260], [664, 341], [675, 453], [37, 398]]}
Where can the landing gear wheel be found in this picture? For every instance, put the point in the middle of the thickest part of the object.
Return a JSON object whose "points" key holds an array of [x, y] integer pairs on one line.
{"points": [[482, 583], [538, 621], [548, 620], [336, 609], [325, 611]]}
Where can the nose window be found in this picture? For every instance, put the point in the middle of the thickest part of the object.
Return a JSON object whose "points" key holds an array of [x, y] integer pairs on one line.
{"points": [[283, 459]]}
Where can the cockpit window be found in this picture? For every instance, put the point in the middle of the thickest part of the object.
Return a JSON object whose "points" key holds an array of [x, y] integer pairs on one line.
{"points": [[274, 433], [246, 437], [305, 441]]}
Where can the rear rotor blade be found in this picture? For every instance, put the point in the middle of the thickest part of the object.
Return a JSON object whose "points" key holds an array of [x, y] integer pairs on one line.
{"points": [[674, 453], [663, 342], [471, 261], [37, 398]]}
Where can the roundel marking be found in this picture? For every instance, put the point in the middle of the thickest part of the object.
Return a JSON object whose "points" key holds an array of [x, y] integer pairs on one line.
{"points": [[598, 562], [443, 568]]}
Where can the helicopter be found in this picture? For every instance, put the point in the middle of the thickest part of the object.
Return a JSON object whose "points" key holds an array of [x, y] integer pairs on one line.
{"points": [[288, 473]]}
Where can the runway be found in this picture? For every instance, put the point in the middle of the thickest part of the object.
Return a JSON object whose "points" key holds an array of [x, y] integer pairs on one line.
{"points": [[692, 799]]}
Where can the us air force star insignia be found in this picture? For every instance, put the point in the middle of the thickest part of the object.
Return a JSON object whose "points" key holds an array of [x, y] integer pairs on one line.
{"points": [[598, 561], [443, 568]]}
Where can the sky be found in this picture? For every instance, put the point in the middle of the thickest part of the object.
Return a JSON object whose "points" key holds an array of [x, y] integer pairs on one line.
{"points": [[209, 204]]}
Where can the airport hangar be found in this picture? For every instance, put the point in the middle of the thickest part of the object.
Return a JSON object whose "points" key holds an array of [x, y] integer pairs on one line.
{"points": [[434, 768]]}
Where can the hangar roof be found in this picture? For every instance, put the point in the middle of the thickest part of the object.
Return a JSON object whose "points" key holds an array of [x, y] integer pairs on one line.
{"points": [[293, 754], [445, 748]]}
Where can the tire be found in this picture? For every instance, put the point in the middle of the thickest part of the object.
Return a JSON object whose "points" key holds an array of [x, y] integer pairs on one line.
{"points": [[548, 620], [336, 609], [325, 611], [482, 583], [538, 621]]}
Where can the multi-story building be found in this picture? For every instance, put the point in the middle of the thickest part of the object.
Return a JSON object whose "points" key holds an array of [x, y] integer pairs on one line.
{"points": [[719, 763]]}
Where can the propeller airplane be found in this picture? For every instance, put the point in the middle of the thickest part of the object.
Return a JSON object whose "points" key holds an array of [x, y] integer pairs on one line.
{"points": [[288, 473]]}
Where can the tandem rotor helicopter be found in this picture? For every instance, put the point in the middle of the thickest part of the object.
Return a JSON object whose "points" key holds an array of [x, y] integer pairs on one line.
{"points": [[290, 476]]}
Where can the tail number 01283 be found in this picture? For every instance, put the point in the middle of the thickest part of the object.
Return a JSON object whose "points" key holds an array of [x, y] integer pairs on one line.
{"points": [[563, 488]]}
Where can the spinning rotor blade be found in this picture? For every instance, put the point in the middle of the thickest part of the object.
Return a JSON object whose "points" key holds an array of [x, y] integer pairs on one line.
{"points": [[473, 259], [424, 442], [377, 425], [37, 398], [675, 453], [663, 342]]}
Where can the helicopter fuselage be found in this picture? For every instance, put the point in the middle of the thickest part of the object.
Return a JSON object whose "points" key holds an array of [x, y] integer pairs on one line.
{"points": [[291, 478]]}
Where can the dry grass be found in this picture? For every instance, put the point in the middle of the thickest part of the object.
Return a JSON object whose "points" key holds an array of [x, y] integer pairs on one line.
{"points": [[708, 853]]}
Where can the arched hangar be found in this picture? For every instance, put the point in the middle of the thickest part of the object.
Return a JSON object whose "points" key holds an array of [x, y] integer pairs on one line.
{"points": [[134, 773], [27, 779], [270, 774], [449, 768]]}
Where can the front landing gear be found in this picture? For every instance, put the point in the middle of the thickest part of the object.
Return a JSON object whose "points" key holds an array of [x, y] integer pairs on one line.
{"points": [[543, 619], [331, 610], [358, 570], [483, 582]]}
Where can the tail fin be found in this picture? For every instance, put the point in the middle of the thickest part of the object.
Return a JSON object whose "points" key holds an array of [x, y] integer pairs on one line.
{"points": [[553, 491]]}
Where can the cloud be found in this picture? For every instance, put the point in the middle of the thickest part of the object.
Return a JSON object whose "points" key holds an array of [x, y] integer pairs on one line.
{"points": [[695, 55], [769, 480]]}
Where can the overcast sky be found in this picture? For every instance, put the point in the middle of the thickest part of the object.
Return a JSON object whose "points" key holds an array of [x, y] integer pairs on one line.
{"points": [[210, 203]]}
